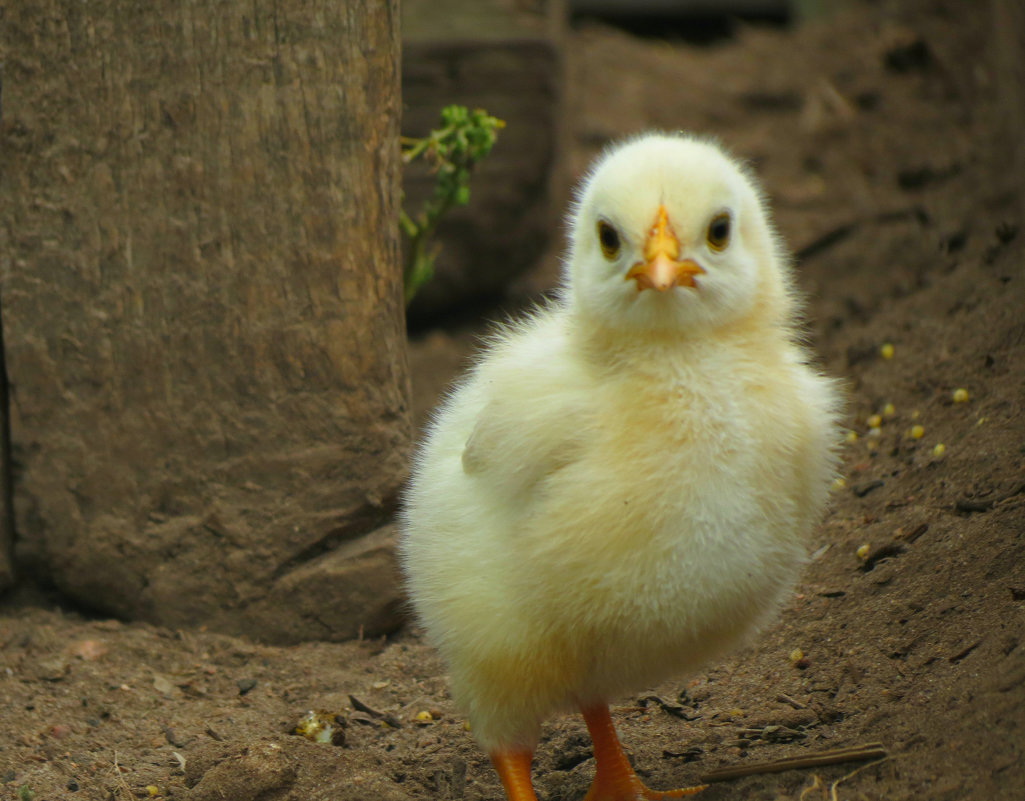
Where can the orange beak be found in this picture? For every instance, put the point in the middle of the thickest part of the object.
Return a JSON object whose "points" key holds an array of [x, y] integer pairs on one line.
{"points": [[662, 268]]}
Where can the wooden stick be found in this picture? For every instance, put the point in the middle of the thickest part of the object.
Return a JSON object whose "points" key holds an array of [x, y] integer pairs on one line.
{"points": [[854, 753], [786, 699]]}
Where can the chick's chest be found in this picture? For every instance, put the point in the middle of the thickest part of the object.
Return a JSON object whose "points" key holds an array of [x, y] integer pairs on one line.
{"points": [[683, 426], [658, 456]]}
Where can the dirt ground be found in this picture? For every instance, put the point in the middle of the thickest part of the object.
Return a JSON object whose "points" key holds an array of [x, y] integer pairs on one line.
{"points": [[874, 133]]}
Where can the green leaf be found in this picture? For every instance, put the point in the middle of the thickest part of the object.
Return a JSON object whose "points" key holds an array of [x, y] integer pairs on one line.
{"points": [[464, 139]]}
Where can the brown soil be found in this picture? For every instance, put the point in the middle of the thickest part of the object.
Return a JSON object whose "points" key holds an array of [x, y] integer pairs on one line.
{"points": [[875, 136]]}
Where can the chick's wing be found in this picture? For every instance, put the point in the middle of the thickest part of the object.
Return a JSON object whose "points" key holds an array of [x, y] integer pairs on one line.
{"points": [[515, 443]]}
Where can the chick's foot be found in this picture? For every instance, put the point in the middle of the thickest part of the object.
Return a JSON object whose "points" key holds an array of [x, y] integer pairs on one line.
{"points": [[615, 779], [513, 768]]}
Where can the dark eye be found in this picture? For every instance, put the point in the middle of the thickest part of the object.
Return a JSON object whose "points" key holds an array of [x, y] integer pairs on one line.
{"points": [[609, 239], [719, 232]]}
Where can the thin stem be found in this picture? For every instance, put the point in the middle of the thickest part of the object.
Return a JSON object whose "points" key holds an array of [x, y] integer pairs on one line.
{"points": [[857, 753]]}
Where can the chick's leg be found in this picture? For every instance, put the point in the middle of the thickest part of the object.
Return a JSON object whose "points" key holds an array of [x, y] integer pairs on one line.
{"points": [[614, 779], [513, 768]]}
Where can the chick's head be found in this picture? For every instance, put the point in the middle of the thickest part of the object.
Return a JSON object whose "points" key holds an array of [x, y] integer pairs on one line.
{"points": [[669, 234]]}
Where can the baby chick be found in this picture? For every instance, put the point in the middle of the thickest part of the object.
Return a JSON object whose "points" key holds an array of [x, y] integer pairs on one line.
{"points": [[621, 488]]}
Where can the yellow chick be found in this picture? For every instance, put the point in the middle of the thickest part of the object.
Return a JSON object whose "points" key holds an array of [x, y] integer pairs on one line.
{"points": [[621, 488]]}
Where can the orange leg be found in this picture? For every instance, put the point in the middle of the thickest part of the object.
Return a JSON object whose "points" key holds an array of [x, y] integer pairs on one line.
{"points": [[614, 779], [514, 770]]}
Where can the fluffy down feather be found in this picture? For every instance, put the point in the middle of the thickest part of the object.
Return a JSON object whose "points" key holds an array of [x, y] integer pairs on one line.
{"points": [[621, 488]]}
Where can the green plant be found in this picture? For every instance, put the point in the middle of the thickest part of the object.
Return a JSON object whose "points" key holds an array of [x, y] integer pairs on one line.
{"points": [[464, 138]]}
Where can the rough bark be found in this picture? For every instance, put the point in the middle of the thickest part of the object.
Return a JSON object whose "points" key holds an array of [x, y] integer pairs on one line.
{"points": [[203, 301]]}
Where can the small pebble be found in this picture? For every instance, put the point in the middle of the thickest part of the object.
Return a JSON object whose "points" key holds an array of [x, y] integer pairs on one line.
{"points": [[89, 650], [960, 395], [886, 351], [875, 431], [245, 685], [171, 737]]}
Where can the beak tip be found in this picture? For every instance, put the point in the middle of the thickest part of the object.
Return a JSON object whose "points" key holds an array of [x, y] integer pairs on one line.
{"points": [[664, 274]]}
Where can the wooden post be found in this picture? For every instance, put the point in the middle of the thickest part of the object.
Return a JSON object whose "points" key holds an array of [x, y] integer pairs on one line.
{"points": [[202, 299]]}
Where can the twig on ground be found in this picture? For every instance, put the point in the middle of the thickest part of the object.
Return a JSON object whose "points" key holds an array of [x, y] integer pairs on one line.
{"points": [[119, 781], [816, 784], [856, 753], [386, 717], [786, 699], [833, 786]]}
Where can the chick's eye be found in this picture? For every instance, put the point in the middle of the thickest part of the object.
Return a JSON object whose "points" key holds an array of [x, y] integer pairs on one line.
{"points": [[719, 232], [609, 239]]}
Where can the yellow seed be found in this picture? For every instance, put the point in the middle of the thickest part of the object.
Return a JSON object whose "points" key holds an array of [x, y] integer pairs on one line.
{"points": [[466, 725], [981, 420], [153, 790], [796, 655], [874, 421], [960, 395], [863, 550], [873, 445], [915, 414], [851, 436], [424, 715], [939, 449], [839, 483], [889, 410], [917, 432], [886, 351]]}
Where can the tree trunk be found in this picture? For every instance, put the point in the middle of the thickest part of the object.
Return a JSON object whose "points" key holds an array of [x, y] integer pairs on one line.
{"points": [[203, 302]]}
